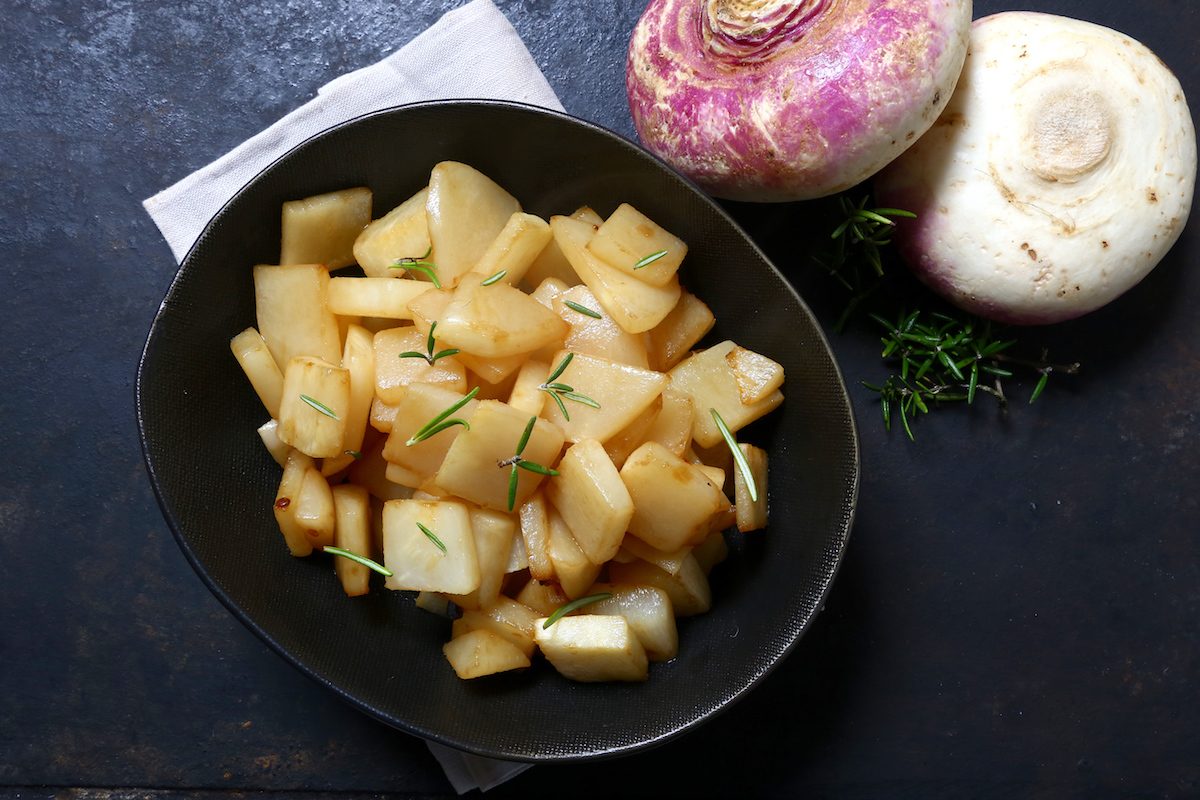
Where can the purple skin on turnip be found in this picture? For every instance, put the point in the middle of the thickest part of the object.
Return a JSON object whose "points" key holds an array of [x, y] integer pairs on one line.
{"points": [[778, 100], [1059, 175]]}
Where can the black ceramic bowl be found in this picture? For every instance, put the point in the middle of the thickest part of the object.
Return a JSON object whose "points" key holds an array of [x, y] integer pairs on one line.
{"points": [[216, 483]]}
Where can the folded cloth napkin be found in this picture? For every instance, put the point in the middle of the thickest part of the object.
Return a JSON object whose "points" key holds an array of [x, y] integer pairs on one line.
{"points": [[490, 62]]}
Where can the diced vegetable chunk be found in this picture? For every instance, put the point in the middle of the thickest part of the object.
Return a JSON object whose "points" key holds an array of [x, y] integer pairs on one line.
{"points": [[312, 411], [256, 361], [628, 237], [593, 648], [621, 391], [293, 312], [673, 500], [688, 589], [401, 233], [649, 613], [466, 211], [416, 560], [751, 514], [352, 509], [709, 380], [322, 229], [481, 652], [592, 499]]}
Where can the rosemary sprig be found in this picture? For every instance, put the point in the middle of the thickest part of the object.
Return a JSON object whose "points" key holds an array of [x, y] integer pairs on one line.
{"points": [[945, 359], [430, 356], [319, 406], [855, 244], [582, 309], [498, 276], [739, 458], [442, 421], [517, 461], [559, 391], [431, 536], [574, 605], [366, 562], [419, 264], [650, 259]]}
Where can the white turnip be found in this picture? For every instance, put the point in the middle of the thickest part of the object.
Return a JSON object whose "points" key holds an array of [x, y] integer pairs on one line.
{"points": [[1059, 175]]}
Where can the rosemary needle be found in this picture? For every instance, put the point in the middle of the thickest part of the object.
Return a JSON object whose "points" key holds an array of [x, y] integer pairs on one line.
{"points": [[574, 605], [488, 281], [738, 457], [571, 304], [518, 462], [432, 537], [650, 259], [319, 406], [366, 562], [558, 391]]}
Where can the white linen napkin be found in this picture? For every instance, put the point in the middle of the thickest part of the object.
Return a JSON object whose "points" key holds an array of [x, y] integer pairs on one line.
{"points": [[490, 62]]}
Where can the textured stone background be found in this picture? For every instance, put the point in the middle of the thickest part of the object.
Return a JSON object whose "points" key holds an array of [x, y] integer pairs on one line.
{"points": [[1018, 612]]}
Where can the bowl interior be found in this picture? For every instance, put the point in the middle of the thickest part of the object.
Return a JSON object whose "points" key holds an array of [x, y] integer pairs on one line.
{"points": [[216, 482]]}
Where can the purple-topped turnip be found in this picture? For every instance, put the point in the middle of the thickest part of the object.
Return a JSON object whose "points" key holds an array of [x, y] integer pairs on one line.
{"points": [[774, 100], [1059, 175]]}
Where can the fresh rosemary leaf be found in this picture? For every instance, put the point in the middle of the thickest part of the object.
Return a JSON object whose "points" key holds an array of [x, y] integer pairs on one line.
{"points": [[512, 487], [319, 406], [562, 366], [650, 259], [499, 276], [355, 454], [413, 354], [574, 605], [581, 398], [1041, 385], [738, 457], [571, 304], [535, 467], [366, 562], [525, 436], [432, 537]]}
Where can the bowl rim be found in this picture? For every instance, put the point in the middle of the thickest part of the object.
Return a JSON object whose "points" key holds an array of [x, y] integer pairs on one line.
{"points": [[363, 706]]}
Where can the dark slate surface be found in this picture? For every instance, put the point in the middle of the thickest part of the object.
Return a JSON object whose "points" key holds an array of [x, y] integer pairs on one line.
{"points": [[1018, 613]]}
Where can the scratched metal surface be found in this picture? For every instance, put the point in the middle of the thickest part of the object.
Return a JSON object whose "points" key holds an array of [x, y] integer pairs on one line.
{"points": [[1019, 611]]}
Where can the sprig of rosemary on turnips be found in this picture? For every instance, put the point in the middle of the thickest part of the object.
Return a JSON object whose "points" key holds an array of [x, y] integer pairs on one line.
{"points": [[430, 356], [518, 461]]}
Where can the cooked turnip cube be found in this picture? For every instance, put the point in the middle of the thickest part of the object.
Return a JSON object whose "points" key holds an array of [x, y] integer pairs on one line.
{"points": [[352, 510], [600, 336], [386, 298], [358, 358], [285, 503], [636, 306], [709, 379], [313, 508], [293, 313], [394, 374], [416, 560], [313, 406], [423, 402], [494, 534], [481, 652], [628, 237], [592, 499], [673, 500], [497, 320], [535, 533], [751, 514], [688, 589], [593, 648], [507, 618], [514, 249], [621, 391], [672, 339], [472, 468], [543, 597], [322, 229], [649, 613], [256, 361], [401, 233], [573, 570], [672, 427], [466, 211]]}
